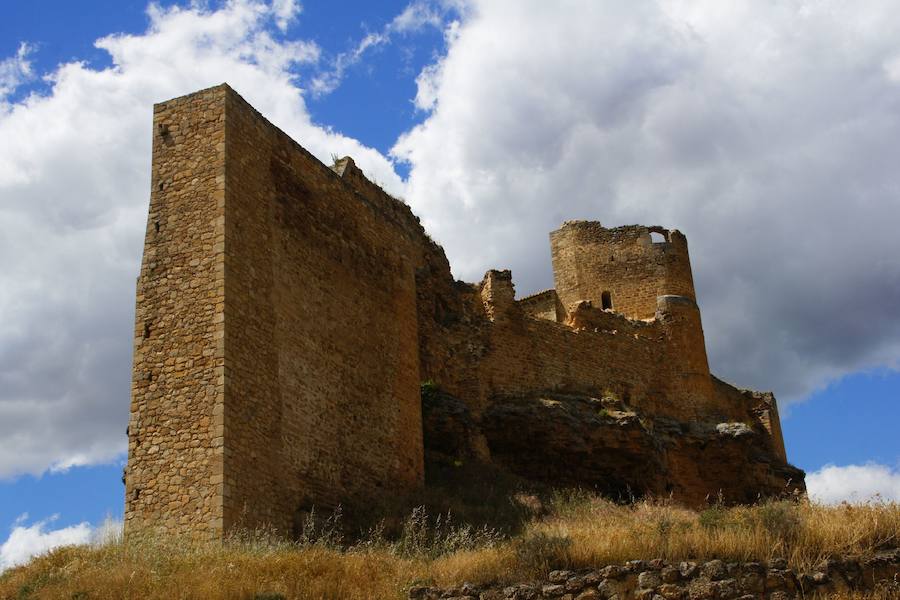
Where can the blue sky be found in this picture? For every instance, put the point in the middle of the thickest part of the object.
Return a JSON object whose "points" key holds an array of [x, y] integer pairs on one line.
{"points": [[768, 134], [386, 80]]}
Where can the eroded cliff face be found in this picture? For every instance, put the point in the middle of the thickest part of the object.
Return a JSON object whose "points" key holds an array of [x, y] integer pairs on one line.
{"points": [[603, 445]]}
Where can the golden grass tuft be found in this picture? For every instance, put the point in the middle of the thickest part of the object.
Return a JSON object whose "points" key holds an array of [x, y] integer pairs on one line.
{"points": [[804, 534], [576, 531]]}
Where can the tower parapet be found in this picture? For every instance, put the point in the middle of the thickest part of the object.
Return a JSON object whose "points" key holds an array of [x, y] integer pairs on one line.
{"points": [[623, 269]]}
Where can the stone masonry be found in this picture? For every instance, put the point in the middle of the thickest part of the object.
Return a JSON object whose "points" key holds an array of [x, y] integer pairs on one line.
{"points": [[289, 312], [878, 576]]}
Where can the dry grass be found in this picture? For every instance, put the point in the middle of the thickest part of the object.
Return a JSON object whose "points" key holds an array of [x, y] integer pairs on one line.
{"points": [[575, 531], [876, 595], [804, 534]]}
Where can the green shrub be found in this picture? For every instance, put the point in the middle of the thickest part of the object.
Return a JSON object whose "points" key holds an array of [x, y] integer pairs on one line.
{"points": [[780, 519], [715, 517], [429, 389]]}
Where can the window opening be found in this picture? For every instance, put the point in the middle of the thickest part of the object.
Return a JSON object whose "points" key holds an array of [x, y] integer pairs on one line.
{"points": [[606, 300]]}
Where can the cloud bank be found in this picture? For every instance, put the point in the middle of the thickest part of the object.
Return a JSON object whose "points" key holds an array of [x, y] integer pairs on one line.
{"points": [[25, 542], [854, 483], [765, 131]]}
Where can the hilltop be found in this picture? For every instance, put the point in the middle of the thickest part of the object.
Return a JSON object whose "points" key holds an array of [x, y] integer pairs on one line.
{"points": [[572, 540]]}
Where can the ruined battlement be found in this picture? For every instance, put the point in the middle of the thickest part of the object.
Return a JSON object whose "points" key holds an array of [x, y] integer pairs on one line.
{"points": [[622, 268], [287, 313]]}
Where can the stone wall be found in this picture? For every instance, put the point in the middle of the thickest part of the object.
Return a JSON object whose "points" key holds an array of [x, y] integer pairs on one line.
{"points": [[322, 379], [287, 313], [689, 580], [764, 408], [174, 477], [657, 366], [281, 365], [543, 305]]}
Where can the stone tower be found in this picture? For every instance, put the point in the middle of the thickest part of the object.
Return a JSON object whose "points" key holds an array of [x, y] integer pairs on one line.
{"points": [[623, 268], [276, 343], [639, 272]]}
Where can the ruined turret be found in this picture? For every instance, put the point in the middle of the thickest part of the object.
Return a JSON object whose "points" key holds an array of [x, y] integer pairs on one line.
{"points": [[621, 268]]}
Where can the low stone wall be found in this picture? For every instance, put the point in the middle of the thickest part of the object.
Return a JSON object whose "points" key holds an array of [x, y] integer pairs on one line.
{"points": [[712, 580]]}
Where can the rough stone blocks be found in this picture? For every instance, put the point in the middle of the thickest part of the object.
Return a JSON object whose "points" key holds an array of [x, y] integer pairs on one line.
{"points": [[287, 313]]}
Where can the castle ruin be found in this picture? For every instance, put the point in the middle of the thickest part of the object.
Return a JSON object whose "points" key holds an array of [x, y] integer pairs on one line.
{"points": [[289, 312]]}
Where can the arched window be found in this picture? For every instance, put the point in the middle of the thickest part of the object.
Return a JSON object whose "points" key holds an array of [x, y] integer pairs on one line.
{"points": [[657, 238], [606, 300]]}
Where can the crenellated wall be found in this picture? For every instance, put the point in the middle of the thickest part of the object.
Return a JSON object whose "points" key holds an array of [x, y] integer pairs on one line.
{"points": [[287, 313], [659, 365]]}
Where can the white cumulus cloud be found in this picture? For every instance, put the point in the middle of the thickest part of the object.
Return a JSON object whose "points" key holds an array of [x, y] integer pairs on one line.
{"points": [[854, 483], [14, 71], [286, 12], [74, 188], [26, 541], [766, 131]]}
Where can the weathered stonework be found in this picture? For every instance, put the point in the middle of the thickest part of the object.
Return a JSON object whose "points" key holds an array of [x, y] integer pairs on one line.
{"points": [[656, 579], [287, 313]]}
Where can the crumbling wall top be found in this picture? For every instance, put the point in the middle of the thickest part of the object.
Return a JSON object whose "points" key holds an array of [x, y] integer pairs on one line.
{"points": [[620, 268]]}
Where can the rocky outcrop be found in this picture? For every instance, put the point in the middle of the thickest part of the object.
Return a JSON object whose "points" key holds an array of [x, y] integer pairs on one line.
{"points": [[605, 445], [447, 426], [712, 580], [575, 441]]}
